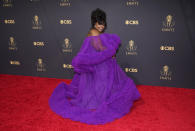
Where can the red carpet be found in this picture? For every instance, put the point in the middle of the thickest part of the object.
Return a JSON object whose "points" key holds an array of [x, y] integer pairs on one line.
{"points": [[24, 106]]}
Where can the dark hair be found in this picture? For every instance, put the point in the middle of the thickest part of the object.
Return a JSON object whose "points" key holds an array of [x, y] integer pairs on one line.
{"points": [[99, 16]]}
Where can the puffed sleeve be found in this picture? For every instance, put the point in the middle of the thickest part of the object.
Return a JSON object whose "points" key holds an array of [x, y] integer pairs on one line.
{"points": [[95, 50]]}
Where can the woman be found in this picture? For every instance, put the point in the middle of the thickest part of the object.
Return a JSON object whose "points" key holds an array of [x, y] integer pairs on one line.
{"points": [[100, 91]]}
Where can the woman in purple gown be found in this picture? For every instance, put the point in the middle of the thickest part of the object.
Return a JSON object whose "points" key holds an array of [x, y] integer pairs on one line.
{"points": [[100, 91]]}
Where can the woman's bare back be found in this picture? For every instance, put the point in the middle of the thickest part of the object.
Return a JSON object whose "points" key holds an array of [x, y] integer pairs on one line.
{"points": [[93, 32]]}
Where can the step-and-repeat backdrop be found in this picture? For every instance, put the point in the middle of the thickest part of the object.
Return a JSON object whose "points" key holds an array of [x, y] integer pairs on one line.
{"points": [[40, 38]]}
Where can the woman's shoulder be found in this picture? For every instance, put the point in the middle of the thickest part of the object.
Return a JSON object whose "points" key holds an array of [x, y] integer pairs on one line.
{"points": [[93, 32]]}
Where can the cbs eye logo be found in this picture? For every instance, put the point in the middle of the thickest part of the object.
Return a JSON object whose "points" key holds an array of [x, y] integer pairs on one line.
{"points": [[9, 21], [132, 22], [65, 21]]}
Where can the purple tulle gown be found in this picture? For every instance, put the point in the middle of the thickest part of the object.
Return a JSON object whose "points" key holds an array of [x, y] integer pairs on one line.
{"points": [[100, 91]]}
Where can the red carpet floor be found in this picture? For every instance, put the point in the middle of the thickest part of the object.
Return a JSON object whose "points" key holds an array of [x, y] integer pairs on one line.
{"points": [[24, 106]]}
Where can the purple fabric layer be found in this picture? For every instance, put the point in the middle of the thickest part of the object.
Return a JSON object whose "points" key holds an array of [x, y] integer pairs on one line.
{"points": [[98, 83]]}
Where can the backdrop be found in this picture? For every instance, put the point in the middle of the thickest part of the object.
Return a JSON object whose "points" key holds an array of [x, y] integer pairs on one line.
{"points": [[40, 38]]}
